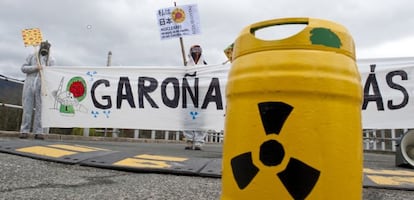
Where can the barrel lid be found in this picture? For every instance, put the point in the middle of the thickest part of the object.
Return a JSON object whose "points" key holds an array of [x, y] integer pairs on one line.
{"points": [[318, 34]]}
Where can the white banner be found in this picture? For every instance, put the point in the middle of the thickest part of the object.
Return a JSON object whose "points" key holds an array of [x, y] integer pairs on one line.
{"points": [[177, 97], [388, 86], [163, 98], [178, 21]]}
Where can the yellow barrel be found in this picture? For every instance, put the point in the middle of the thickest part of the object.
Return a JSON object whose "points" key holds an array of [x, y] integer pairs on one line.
{"points": [[293, 120]]}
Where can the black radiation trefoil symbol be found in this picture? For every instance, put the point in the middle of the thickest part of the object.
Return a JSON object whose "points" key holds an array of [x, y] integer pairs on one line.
{"points": [[298, 177]]}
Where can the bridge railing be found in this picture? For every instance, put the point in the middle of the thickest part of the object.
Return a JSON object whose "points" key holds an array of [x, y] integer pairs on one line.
{"points": [[11, 118], [373, 139], [382, 139]]}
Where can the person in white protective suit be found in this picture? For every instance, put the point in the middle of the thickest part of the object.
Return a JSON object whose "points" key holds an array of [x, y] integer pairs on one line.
{"points": [[31, 96], [194, 135]]}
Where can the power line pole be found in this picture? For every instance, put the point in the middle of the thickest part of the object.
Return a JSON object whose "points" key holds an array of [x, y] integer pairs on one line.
{"points": [[109, 59]]}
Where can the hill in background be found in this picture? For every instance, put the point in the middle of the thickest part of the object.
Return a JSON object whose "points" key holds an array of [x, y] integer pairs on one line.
{"points": [[10, 92]]}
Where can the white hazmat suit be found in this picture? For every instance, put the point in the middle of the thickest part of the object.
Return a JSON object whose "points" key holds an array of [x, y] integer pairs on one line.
{"points": [[31, 97], [195, 136]]}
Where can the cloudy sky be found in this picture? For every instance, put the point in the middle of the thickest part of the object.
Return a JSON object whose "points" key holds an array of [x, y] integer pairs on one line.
{"points": [[83, 31]]}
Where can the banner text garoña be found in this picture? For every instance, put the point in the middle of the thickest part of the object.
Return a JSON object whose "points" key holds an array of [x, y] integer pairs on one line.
{"points": [[147, 85]]}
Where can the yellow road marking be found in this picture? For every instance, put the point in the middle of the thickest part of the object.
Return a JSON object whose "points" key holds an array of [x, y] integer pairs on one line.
{"points": [[73, 148], [95, 148], [163, 158], [46, 151], [391, 180], [134, 162], [389, 172]]}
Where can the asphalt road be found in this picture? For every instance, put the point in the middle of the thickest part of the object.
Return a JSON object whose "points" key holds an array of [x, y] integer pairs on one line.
{"points": [[26, 178]]}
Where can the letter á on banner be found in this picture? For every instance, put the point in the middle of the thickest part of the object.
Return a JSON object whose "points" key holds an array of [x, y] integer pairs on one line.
{"points": [[372, 81]]}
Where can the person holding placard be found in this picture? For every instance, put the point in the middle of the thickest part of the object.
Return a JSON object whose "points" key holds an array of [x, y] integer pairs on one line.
{"points": [[31, 97]]}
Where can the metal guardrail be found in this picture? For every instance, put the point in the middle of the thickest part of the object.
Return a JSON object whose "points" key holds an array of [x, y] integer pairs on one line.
{"points": [[382, 139], [10, 105], [212, 136], [11, 79], [373, 139]]}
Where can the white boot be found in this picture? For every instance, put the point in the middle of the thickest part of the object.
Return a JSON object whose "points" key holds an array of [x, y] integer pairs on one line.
{"points": [[189, 145]]}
